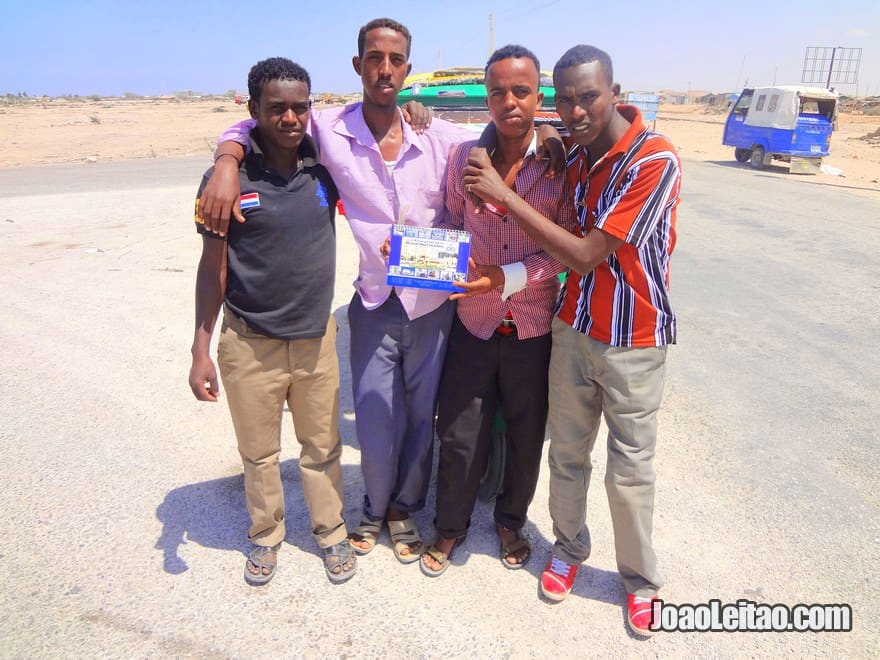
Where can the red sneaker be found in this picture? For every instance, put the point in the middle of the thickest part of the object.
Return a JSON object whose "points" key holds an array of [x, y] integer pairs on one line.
{"points": [[558, 578], [638, 614]]}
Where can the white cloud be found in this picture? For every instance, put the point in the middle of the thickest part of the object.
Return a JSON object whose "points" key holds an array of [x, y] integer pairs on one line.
{"points": [[857, 32]]}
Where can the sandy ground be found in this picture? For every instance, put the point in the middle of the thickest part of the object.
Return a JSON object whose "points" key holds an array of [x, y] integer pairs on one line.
{"points": [[123, 521], [62, 131]]}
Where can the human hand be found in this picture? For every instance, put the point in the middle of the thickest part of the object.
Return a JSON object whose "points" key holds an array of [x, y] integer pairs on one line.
{"points": [[417, 115], [203, 379], [550, 147], [385, 248], [220, 197], [488, 277], [480, 178], [488, 140]]}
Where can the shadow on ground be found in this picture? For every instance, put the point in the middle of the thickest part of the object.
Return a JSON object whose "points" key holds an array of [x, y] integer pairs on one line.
{"points": [[213, 515]]}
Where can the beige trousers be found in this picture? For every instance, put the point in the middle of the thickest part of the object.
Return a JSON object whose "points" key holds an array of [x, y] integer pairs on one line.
{"points": [[589, 378], [259, 375]]}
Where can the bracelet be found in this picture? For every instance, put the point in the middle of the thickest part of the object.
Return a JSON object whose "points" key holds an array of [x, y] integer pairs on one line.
{"points": [[219, 156]]}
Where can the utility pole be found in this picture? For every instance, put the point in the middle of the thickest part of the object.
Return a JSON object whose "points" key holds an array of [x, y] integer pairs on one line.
{"points": [[739, 75], [831, 68], [491, 33]]}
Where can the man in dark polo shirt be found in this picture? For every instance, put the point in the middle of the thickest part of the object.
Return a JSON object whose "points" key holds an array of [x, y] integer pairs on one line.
{"points": [[274, 276]]}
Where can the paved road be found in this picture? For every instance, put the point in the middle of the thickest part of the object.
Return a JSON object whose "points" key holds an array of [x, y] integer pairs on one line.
{"points": [[122, 527]]}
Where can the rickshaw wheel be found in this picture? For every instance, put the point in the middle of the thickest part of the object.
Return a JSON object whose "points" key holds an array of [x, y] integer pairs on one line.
{"points": [[757, 159]]}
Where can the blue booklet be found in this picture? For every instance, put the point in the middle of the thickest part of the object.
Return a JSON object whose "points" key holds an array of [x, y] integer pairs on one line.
{"points": [[428, 258]]}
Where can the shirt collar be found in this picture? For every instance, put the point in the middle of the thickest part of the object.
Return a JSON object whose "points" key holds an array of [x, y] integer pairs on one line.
{"points": [[636, 126], [354, 126], [533, 145], [531, 150]]}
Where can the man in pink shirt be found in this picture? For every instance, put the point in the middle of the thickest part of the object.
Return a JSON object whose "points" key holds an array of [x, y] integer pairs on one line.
{"points": [[385, 173]]}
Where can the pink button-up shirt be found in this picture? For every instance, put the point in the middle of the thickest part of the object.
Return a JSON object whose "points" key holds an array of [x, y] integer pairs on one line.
{"points": [[411, 192], [498, 240]]}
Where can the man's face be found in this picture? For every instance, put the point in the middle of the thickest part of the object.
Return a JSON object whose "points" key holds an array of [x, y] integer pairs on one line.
{"points": [[282, 113], [384, 65], [512, 95], [585, 101]]}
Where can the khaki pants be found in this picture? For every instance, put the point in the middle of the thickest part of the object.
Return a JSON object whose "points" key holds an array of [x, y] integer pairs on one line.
{"points": [[589, 378], [259, 375]]}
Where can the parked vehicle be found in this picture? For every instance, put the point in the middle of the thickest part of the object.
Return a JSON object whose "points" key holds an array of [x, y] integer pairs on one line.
{"points": [[459, 95], [787, 123]]}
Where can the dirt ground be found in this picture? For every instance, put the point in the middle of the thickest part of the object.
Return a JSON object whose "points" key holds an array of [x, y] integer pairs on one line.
{"points": [[123, 515], [63, 131]]}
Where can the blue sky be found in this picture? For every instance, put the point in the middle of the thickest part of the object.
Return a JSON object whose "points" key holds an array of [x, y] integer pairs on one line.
{"points": [[108, 48]]}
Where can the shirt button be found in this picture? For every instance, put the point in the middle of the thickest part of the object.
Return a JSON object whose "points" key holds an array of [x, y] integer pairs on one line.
{"points": [[505, 246], [504, 220]]}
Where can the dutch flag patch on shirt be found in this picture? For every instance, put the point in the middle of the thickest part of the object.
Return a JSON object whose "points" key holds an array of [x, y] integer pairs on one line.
{"points": [[249, 200]]}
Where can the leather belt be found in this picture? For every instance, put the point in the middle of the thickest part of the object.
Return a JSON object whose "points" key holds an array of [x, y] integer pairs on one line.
{"points": [[506, 326]]}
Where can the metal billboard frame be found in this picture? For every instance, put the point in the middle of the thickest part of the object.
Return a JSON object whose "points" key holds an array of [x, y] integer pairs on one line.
{"points": [[826, 64]]}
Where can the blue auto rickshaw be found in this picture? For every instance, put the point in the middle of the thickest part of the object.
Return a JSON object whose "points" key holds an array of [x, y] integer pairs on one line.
{"points": [[787, 123]]}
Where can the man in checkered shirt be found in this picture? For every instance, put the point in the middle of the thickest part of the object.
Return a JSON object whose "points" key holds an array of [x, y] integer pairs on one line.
{"points": [[499, 346]]}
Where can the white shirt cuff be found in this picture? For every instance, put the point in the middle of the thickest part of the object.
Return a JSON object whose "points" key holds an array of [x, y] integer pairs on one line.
{"points": [[514, 279]]}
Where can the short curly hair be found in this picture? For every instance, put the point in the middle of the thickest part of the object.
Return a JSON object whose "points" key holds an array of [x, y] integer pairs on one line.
{"points": [[583, 54], [377, 23], [513, 51], [275, 68]]}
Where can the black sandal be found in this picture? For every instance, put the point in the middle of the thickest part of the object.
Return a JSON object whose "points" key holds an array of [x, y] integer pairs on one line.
{"points": [[514, 548], [257, 558], [336, 557]]}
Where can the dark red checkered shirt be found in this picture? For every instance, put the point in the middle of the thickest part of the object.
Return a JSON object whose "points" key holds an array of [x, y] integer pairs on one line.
{"points": [[498, 240]]}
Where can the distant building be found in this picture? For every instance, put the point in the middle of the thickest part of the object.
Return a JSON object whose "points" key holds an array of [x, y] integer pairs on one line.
{"points": [[680, 98], [723, 101]]}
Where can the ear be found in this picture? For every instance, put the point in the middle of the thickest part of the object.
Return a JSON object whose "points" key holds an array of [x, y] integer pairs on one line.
{"points": [[540, 99], [356, 63], [408, 68], [253, 108], [615, 91]]}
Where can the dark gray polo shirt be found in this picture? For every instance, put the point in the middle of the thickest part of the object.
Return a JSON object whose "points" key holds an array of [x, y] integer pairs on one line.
{"points": [[282, 261]]}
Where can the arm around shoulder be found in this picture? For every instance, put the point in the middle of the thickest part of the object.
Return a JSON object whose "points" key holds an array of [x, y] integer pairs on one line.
{"points": [[239, 133], [581, 254], [220, 197]]}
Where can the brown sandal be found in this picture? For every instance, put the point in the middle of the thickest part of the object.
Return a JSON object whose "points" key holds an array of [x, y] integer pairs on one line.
{"points": [[442, 558], [404, 535], [367, 530]]}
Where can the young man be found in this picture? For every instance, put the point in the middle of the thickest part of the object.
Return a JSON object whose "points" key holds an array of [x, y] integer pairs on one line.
{"points": [[274, 275], [499, 348], [614, 319], [386, 173]]}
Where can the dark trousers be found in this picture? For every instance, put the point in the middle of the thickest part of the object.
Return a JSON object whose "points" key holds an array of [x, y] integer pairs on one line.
{"points": [[478, 376]]}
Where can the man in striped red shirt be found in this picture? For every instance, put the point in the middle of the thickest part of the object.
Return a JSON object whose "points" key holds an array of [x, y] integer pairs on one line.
{"points": [[614, 320], [499, 347]]}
